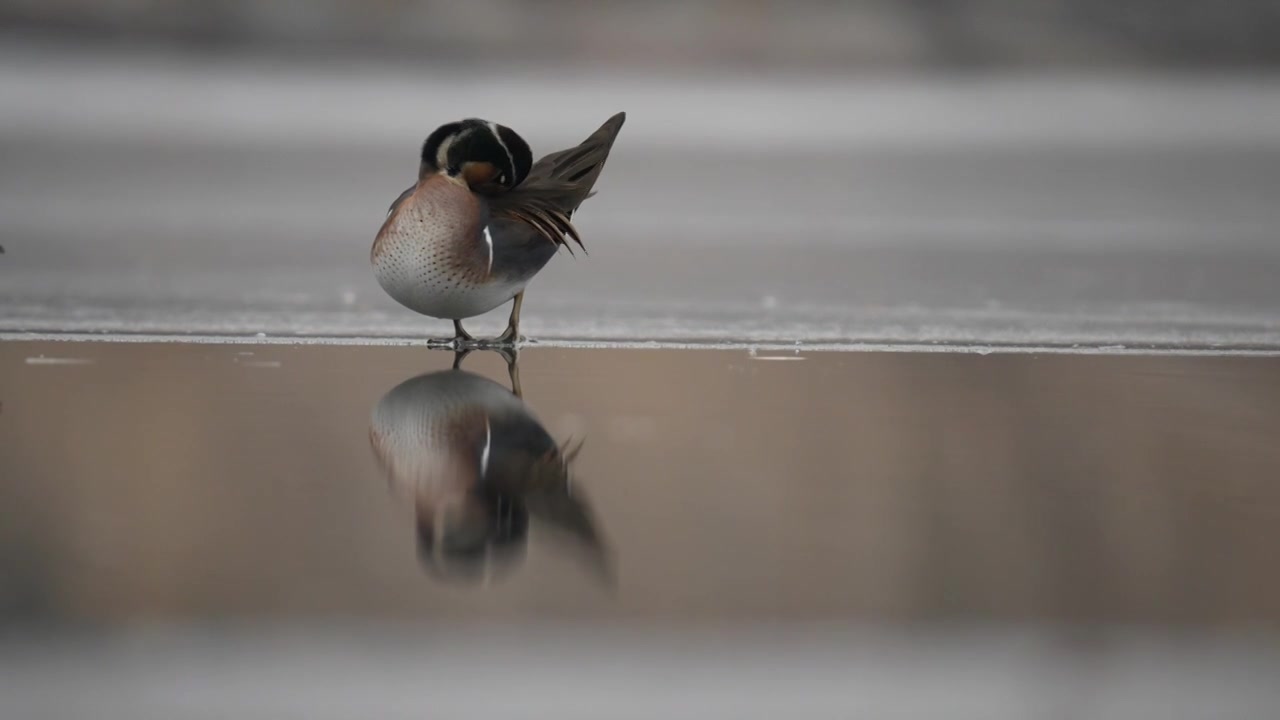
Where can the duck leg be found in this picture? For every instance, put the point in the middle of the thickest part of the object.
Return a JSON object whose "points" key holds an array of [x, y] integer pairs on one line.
{"points": [[459, 335], [512, 334]]}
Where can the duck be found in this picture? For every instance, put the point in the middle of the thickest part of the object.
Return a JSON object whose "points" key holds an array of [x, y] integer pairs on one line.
{"points": [[482, 220]]}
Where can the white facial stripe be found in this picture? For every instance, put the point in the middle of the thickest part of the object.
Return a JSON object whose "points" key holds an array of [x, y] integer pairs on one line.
{"points": [[442, 155], [488, 240], [493, 128]]}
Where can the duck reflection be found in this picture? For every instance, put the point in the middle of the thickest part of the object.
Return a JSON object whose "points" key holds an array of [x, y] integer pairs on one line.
{"points": [[477, 467]]}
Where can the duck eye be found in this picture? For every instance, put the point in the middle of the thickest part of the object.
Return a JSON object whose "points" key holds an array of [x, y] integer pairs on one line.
{"points": [[453, 169]]}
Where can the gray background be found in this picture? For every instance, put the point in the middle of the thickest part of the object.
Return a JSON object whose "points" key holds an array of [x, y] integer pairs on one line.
{"points": [[932, 173]]}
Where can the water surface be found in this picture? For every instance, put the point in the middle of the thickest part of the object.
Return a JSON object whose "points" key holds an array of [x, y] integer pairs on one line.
{"points": [[239, 480], [272, 506]]}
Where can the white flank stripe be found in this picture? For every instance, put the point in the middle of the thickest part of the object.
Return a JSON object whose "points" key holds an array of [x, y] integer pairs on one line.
{"points": [[488, 239], [484, 454]]}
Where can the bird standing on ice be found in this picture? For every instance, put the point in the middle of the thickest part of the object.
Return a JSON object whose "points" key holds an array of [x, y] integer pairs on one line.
{"points": [[482, 220]]}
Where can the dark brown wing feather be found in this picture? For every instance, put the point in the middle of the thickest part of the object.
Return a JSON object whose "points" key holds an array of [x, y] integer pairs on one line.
{"points": [[558, 183], [580, 164], [550, 221]]}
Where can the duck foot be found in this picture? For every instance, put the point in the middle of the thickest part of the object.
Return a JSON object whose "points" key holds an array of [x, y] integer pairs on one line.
{"points": [[510, 338]]}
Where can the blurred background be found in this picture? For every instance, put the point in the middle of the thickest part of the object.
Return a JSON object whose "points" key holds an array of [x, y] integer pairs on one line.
{"points": [[740, 34], [1037, 173]]}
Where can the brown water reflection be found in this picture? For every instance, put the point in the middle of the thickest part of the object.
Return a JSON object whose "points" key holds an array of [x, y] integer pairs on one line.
{"points": [[475, 465], [205, 481]]}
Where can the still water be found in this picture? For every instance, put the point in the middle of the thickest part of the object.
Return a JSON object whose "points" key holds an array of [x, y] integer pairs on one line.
{"points": [[191, 481], [193, 486]]}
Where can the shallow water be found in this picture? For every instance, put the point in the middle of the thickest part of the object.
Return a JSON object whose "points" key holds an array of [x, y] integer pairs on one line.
{"points": [[234, 481], [278, 495]]}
